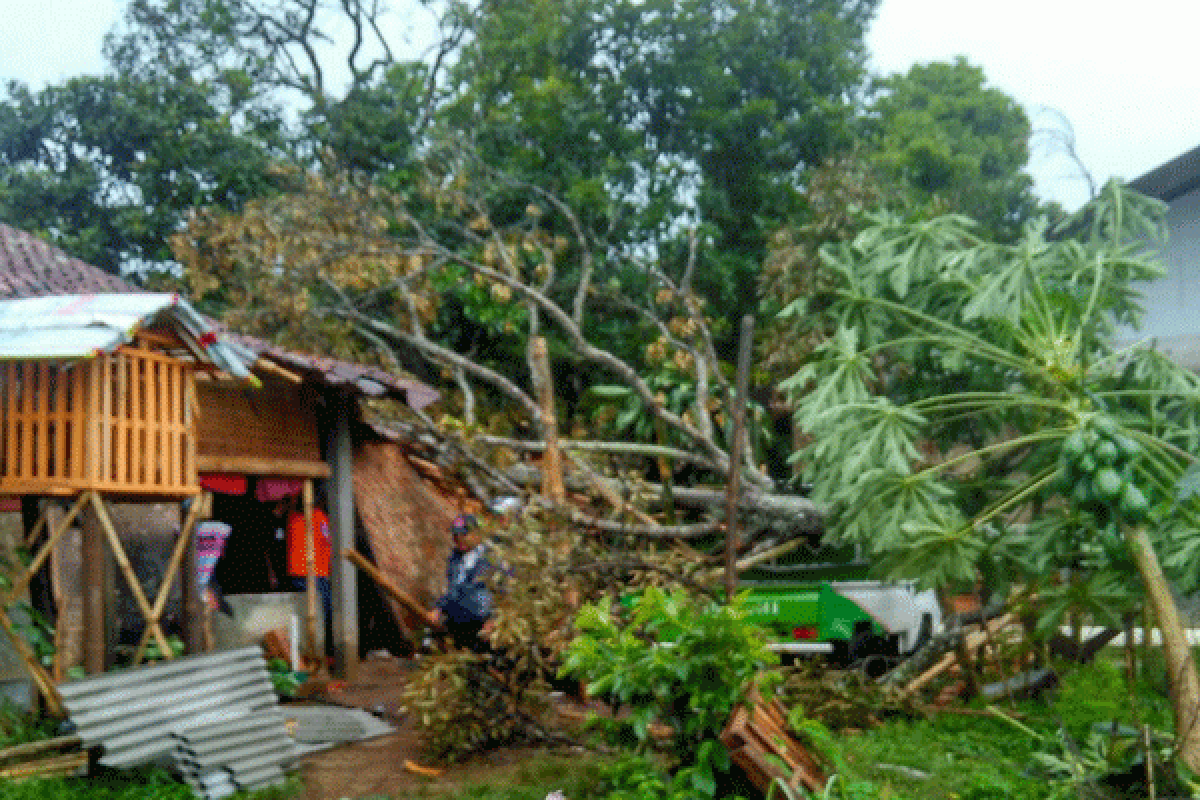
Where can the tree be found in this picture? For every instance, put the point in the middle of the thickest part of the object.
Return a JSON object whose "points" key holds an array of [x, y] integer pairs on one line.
{"points": [[972, 405], [342, 262], [196, 114], [107, 165], [950, 140], [654, 117]]}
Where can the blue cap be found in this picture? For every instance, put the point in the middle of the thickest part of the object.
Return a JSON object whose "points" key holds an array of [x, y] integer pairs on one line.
{"points": [[463, 523]]}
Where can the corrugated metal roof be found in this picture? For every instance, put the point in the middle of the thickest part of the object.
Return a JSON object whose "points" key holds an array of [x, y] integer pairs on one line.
{"points": [[131, 714], [72, 326]]}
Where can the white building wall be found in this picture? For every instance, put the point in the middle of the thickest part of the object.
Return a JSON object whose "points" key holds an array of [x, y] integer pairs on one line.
{"points": [[1173, 303]]}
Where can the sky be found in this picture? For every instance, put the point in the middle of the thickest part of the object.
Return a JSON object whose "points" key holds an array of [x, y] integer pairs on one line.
{"points": [[1121, 74]]}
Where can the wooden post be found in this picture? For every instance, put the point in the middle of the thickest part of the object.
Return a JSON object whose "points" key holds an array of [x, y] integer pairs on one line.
{"points": [[552, 478], [745, 350], [95, 577], [192, 602], [342, 575]]}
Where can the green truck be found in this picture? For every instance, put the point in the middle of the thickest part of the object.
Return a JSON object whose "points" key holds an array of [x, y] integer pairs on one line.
{"points": [[833, 610]]}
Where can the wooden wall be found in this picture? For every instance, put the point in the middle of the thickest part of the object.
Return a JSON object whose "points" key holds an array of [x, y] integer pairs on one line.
{"points": [[269, 430]]}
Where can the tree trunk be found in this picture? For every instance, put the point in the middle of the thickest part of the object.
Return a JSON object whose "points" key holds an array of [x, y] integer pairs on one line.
{"points": [[1181, 669]]}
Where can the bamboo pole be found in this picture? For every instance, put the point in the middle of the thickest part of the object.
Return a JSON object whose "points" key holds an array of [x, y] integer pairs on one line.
{"points": [[311, 581], [402, 597], [36, 530], [181, 548], [114, 542], [45, 683], [63, 525]]}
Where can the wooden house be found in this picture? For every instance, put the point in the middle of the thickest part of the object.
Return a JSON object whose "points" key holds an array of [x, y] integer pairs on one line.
{"points": [[153, 407]]}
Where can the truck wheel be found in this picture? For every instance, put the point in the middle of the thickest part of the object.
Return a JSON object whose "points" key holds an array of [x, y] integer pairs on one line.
{"points": [[864, 643]]}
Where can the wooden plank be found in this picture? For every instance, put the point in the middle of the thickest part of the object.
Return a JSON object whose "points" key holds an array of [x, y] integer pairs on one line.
{"points": [[24, 454], [158, 404], [137, 425], [41, 402], [62, 422], [263, 466], [189, 428], [5, 418], [10, 421], [169, 425], [120, 422], [106, 413], [79, 422]]}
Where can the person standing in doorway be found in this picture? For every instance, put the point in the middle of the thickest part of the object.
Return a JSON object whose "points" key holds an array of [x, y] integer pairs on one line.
{"points": [[297, 558]]}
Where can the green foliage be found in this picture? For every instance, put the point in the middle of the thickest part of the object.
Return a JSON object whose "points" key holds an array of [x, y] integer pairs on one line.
{"points": [[463, 705], [950, 140], [285, 679], [108, 166], [673, 659], [617, 106], [964, 375]]}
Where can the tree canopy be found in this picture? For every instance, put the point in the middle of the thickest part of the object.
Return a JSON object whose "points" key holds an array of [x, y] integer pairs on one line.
{"points": [[974, 410], [596, 155]]}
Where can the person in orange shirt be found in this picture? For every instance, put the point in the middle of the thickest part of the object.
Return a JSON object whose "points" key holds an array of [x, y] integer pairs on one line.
{"points": [[297, 558]]}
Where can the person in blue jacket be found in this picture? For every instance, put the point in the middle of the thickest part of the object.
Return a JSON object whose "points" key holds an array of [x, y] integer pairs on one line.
{"points": [[465, 609]]}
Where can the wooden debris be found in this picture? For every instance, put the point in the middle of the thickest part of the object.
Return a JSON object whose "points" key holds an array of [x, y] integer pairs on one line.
{"points": [[759, 743], [48, 758], [417, 769], [968, 649], [399, 595], [275, 644]]}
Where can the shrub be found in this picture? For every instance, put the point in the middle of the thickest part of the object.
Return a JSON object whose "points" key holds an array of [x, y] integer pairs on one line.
{"points": [[674, 659]]}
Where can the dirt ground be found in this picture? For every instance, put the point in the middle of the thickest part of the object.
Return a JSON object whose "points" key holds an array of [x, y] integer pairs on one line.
{"points": [[375, 768]]}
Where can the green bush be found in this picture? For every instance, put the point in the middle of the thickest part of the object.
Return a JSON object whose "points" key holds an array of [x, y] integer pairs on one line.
{"points": [[674, 659]]}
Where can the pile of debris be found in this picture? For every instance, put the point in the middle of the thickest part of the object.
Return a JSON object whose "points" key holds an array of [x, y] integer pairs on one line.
{"points": [[986, 655]]}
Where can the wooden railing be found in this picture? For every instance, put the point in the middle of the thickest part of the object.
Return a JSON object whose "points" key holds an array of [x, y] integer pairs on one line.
{"points": [[120, 422]]}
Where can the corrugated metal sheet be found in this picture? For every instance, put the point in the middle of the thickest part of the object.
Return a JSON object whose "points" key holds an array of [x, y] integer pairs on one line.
{"points": [[80, 325], [132, 714], [245, 753]]}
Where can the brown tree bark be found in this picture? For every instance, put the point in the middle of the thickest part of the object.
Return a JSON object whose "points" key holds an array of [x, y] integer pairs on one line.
{"points": [[1181, 668]]}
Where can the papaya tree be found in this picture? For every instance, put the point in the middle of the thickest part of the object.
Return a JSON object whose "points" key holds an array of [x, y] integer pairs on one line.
{"points": [[973, 402]]}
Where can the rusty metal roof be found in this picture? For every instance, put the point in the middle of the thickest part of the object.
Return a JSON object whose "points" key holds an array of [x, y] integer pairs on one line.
{"points": [[30, 267], [370, 381]]}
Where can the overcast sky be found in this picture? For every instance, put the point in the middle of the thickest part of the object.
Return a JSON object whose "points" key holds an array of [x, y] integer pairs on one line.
{"points": [[1123, 74]]}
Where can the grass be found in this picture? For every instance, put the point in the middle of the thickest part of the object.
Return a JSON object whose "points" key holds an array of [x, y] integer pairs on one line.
{"points": [[942, 757], [955, 757], [581, 776]]}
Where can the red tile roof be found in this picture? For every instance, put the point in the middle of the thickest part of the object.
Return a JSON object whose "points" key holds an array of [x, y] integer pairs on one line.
{"points": [[30, 267]]}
